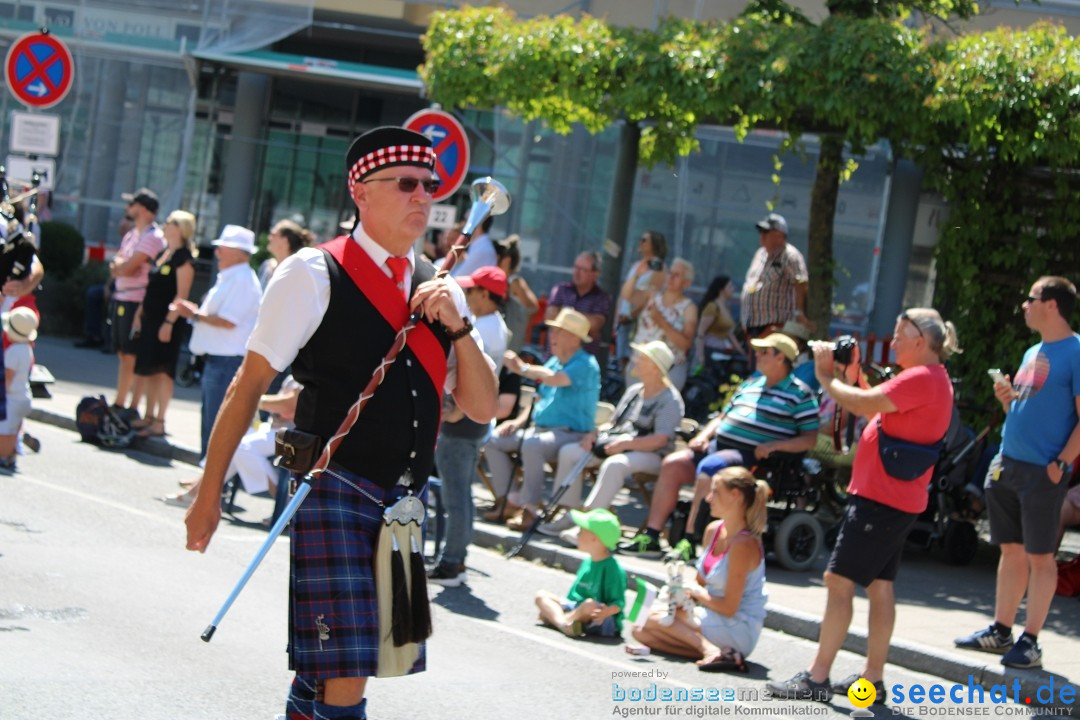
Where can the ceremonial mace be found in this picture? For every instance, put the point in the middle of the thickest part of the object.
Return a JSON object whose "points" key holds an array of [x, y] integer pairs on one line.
{"points": [[489, 198]]}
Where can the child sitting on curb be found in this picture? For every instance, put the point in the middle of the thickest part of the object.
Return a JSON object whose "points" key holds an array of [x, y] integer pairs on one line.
{"points": [[595, 603]]}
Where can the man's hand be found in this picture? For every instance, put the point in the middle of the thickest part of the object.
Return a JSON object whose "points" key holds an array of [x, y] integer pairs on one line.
{"points": [[202, 519], [763, 451], [699, 443], [186, 308], [436, 302], [588, 440], [1054, 473], [1005, 393]]}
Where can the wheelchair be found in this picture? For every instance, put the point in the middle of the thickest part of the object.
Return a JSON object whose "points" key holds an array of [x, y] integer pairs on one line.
{"points": [[793, 534]]}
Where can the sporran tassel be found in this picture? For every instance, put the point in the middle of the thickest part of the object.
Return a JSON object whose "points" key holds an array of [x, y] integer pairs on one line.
{"points": [[421, 608], [401, 615]]}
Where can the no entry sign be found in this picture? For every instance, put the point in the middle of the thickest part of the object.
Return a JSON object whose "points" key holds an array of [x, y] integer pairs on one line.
{"points": [[451, 147], [39, 70]]}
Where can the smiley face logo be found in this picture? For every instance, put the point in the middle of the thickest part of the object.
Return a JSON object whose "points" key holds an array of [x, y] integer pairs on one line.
{"points": [[862, 693]]}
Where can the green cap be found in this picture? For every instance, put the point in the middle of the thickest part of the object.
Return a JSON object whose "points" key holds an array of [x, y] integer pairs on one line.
{"points": [[599, 521]]}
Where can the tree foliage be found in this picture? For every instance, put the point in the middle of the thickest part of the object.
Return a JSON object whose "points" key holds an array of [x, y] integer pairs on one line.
{"points": [[993, 117]]}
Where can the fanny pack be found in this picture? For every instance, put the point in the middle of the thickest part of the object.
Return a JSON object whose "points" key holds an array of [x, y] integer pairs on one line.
{"points": [[904, 460]]}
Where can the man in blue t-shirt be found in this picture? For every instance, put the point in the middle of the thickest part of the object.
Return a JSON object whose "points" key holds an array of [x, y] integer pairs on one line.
{"points": [[1027, 482], [564, 410]]}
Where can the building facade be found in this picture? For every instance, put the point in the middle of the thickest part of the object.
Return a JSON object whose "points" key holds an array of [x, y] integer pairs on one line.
{"points": [[241, 111]]}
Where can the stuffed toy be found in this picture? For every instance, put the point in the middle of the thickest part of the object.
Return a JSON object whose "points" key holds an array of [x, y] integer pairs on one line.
{"points": [[677, 596]]}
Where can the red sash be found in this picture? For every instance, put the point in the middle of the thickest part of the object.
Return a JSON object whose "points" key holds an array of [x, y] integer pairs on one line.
{"points": [[384, 295]]}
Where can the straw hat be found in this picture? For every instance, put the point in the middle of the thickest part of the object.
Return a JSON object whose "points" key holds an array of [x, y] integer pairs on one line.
{"points": [[20, 325], [658, 352], [572, 322]]}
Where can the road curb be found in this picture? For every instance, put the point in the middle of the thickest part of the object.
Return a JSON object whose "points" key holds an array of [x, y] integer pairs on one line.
{"points": [[159, 447]]}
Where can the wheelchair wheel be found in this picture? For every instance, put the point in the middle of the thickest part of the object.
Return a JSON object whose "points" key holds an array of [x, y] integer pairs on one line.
{"points": [[961, 542], [798, 541]]}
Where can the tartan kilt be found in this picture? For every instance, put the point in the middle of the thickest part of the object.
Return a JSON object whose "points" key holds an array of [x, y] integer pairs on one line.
{"points": [[333, 610]]}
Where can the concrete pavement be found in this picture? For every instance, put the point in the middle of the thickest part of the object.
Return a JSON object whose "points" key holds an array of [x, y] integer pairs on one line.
{"points": [[936, 601]]}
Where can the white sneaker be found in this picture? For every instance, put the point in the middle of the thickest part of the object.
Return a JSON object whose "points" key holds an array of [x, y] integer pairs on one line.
{"points": [[570, 536], [552, 529], [182, 500]]}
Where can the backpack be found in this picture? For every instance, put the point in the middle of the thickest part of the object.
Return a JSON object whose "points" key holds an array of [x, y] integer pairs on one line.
{"points": [[88, 415], [115, 432]]}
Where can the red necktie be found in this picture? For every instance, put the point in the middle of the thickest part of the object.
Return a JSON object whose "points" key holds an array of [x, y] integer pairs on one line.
{"points": [[398, 267]]}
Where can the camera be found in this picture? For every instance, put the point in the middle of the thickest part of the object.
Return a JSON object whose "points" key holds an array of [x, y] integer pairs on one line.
{"points": [[656, 264], [843, 348]]}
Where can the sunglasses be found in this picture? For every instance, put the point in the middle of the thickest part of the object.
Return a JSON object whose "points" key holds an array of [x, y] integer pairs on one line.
{"points": [[408, 184], [904, 316], [1033, 299]]}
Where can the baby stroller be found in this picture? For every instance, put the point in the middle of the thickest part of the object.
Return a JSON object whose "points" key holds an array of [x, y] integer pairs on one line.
{"points": [[950, 518]]}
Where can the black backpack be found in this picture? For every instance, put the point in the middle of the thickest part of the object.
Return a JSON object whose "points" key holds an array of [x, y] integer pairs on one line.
{"points": [[88, 415], [116, 432], [100, 423]]}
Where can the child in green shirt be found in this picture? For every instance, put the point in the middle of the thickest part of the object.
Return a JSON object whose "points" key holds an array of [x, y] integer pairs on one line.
{"points": [[595, 603]]}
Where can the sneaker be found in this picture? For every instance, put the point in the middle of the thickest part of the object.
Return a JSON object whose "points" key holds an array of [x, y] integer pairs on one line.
{"points": [[801, 687], [1026, 653], [447, 575], [985, 640], [31, 442], [683, 550], [182, 500], [7, 465], [842, 687], [641, 545], [553, 529]]}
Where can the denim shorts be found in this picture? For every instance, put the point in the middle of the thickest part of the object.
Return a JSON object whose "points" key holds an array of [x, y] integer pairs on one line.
{"points": [[604, 628]]}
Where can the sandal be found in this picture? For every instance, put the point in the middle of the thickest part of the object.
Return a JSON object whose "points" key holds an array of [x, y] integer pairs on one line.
{"points": [[156, 428], [727, 659], [143, 422]]}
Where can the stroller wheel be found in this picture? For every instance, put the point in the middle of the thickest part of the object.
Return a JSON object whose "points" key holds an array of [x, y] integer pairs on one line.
{"points": [[961, 542], [798, 541]]}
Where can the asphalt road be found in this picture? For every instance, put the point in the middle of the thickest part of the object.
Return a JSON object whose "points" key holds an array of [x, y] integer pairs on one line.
{"points": [[101, 610]]}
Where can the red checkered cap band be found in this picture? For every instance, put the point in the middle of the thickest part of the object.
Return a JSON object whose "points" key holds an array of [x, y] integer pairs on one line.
{"points": [[393, 155]]}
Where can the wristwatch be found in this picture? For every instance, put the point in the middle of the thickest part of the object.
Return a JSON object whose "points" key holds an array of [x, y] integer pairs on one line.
{"points": [[1063, 465]]}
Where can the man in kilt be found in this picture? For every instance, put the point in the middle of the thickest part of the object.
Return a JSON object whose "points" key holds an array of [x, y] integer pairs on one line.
{"points": [[332, 312]]}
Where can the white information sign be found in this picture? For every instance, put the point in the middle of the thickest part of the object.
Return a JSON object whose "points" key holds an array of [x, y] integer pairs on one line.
{"points": [[442, 216], [20, 171], [35, 134]]}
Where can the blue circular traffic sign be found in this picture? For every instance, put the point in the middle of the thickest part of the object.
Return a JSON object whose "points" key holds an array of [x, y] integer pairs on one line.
{"points": [[39, 70], [450, 144]]}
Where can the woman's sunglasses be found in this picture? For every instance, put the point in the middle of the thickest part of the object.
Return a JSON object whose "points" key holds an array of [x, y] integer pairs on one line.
{"points": [[408, 184]]}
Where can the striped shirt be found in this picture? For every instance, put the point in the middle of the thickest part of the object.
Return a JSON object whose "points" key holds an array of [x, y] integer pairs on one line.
{"points": [[768, 295], [759, 414]]}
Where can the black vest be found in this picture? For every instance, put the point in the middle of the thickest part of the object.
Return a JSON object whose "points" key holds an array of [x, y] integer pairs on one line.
{"points": [[397, 429]]}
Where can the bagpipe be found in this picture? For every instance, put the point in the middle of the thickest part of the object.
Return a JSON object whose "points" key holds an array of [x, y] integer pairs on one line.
{"points": [[18, 215]]}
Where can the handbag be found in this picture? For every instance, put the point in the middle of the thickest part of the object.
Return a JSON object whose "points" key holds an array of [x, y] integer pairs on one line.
{"points": [[904, 460]]}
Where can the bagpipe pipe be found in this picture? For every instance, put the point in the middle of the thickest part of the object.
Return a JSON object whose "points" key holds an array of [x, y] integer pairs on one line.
{"points": [[18, 215]]}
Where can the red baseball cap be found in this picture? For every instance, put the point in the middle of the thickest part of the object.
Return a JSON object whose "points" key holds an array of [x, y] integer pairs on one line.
{"points": [[490, 278]]}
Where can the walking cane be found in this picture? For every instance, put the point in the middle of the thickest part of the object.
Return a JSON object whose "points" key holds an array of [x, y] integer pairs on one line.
{"points": [[574, 474], [489, 198]]}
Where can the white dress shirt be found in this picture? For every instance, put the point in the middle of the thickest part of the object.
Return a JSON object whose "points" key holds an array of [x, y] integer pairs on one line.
{"points": [[299, 294]]}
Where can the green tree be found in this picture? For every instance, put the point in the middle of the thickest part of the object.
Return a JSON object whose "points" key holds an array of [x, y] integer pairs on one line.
{"points": [[994, 118]]}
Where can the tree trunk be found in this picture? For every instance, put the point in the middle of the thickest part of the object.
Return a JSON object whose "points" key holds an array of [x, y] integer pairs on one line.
{"points": [[819, 256]]}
